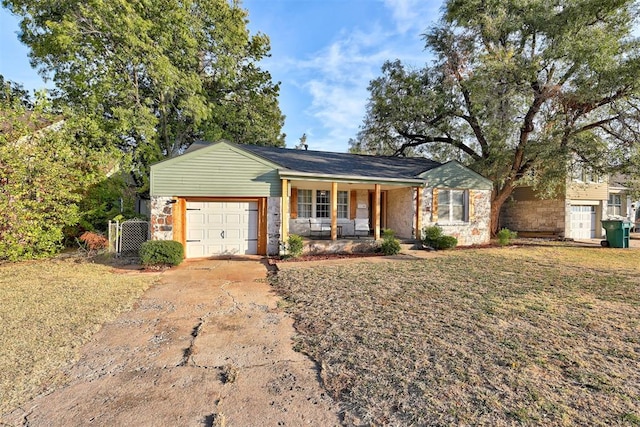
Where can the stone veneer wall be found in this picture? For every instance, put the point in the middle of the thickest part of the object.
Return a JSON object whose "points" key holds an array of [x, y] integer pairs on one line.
{"points": [[534, 215], [474, 232], [401, 212], [161, 218], [273, 225]]}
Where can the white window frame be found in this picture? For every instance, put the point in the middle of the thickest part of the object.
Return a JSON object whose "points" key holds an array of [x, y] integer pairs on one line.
{"points": [[449, 217], [343, 204], [611, 206], [305, 205]]}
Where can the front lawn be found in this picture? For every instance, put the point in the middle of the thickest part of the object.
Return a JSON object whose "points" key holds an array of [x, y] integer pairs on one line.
{"points": [[49, 308], [509, 336]]}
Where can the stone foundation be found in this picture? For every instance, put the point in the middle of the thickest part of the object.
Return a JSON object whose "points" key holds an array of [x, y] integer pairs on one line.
{"points": [[273, 225], [161, 218], [339, 246]]}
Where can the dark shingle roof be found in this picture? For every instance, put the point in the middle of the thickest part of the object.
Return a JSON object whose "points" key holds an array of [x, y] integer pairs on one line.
{"points": [[326, 163]]}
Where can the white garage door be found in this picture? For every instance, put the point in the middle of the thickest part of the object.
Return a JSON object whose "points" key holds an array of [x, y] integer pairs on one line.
{"points": [[583, 222], [221, 228]]}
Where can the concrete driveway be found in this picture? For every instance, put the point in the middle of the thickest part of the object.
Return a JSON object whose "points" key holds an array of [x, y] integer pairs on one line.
{"points": [[206, 346]]}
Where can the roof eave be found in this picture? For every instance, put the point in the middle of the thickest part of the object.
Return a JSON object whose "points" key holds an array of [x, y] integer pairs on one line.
{"points": [[308, 176]]}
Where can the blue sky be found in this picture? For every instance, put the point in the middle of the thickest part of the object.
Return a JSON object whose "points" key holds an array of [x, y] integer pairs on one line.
{"points": [[324, 53]]}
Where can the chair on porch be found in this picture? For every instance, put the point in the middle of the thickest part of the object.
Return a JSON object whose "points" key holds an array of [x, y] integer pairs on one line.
{"points": [[361, 227], [318, 229]]}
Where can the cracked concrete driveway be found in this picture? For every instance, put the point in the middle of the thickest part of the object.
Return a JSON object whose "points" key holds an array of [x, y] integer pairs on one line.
{"points": [[206, 346]]}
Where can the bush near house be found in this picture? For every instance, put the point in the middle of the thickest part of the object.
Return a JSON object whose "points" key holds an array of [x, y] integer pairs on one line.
{"points": [[505, 236], [434, 238], [390, 245], [295, 245], [157, 253]]}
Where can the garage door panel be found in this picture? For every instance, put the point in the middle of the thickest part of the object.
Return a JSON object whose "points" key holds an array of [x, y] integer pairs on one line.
{"points": [[234, 219], [221, 228], [583, 222], [215, 218], [195, 234], [234, 234], [196, 218]]}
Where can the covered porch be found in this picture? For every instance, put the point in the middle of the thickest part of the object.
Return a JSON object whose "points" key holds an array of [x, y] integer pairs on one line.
{"points": [[350, 210]]}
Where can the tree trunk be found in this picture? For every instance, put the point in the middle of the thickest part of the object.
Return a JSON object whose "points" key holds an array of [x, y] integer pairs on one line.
{"points": [[498, 198]]}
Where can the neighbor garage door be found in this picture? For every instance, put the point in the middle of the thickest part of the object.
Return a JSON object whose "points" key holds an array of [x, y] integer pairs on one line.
{"points": [[583, 222], [221, 228]]}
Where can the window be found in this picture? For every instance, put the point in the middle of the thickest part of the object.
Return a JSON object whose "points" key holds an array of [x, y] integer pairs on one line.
{"points": [[614, 207], [343, 204], [585, 174], [317, 204], [323, 204], [452, 206], [305, 204]]}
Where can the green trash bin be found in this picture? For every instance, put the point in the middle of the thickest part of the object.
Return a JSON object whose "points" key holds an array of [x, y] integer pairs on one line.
{"points": [[618, 233]]}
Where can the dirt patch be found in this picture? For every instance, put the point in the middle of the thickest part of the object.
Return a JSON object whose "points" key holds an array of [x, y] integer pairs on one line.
{"points": [[206, 346]]}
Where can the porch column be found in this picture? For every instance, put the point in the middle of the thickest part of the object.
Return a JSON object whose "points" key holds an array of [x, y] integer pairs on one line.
{"points": [[284, 219], [334, 211], [376, 211], [418, 213]]}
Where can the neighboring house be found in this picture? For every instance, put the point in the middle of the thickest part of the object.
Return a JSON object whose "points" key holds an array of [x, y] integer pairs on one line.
{"points": [[224, 198], [576, 214], [621, 203]]}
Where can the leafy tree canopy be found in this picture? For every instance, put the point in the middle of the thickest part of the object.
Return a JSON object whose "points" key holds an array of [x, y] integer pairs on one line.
{"points": [[43, 175], [518, 90], [155, 75], [12, 93]]}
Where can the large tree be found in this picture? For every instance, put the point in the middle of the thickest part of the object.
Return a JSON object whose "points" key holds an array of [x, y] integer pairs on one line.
{"points": [[520, 90], [155, 75], [43, 174]]}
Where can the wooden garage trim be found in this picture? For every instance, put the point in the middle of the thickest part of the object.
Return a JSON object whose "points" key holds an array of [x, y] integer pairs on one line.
{"points": [[179, 222], [180, 207]]}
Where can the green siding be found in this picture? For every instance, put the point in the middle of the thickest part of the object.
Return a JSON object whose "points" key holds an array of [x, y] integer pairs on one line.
{"points": [[216, 171], [454, 175]]}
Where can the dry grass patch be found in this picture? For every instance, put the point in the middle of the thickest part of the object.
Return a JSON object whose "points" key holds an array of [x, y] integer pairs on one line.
{"points": [[49, 308], [478, 337]]}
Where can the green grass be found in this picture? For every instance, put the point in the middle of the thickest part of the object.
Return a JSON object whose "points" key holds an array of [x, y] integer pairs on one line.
{"points": [[510, 336], [49, 309]]}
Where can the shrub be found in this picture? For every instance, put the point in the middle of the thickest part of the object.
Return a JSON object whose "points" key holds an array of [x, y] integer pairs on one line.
{"points": [[390, 245], [446, 242], [388, 233], [295, 245], [505, 236], [161, 252], [433, 237], [93, 242]]}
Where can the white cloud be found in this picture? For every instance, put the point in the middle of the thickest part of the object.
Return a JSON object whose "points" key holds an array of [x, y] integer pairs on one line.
{"points": [[412, 15], [334, 78]]}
